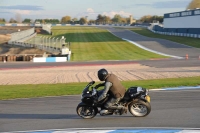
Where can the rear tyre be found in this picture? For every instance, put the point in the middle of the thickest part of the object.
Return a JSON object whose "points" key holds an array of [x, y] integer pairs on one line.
{"points": [[86, 112], [139, 108]]}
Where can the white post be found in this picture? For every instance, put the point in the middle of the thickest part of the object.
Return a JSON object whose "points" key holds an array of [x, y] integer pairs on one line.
{"points": [[53, 43], [49, 43], [56, 43]]}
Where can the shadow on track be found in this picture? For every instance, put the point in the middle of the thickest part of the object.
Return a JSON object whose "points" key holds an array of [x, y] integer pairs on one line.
{"points": [[39, 116]]}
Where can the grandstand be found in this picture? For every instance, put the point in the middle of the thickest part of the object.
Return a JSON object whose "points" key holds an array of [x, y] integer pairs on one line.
{"points": [[186, 22]]}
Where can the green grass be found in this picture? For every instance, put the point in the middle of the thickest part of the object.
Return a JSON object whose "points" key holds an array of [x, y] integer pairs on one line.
{"points": [[194, 42], [41, 90], [91, 43]]}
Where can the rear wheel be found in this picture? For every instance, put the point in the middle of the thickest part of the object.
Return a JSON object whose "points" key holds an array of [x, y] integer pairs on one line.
{"points": [[86, 112], [139, 108]]}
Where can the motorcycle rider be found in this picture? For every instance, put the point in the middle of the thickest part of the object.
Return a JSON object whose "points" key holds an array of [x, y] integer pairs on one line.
{"points": [[117, 90]]}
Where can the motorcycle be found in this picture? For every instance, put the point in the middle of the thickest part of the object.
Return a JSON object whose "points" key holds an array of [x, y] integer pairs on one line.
{"points": [[136, 100]]}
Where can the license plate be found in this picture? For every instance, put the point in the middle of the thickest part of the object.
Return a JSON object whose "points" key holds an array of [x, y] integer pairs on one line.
{"points": [[148, 98]]}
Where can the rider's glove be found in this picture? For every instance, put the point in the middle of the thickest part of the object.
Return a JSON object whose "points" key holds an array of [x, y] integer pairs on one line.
{"points": [[97, 86]]}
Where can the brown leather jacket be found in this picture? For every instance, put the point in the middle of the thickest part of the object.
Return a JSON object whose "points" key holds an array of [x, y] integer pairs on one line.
{"points": [[117, 89]]}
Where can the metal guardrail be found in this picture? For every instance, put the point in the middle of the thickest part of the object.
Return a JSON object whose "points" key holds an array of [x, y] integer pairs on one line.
{"points": [[175, 34]]}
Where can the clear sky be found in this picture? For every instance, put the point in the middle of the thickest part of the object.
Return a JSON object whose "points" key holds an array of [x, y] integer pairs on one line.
{"points": [[42, 9]]}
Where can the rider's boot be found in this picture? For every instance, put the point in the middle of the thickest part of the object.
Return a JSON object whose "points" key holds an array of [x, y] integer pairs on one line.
{"points": [[121, 109]]}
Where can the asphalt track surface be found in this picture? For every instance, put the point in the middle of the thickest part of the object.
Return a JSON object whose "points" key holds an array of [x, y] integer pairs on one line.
{"points": [[156, 44], [169, 109], [165, 63]]}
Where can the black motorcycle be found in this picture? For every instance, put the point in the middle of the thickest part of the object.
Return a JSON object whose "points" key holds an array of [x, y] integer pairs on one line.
{"points": [[136, 100]]}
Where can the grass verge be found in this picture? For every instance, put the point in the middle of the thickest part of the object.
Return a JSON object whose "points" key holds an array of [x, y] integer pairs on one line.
{"points": [[91, 43], [42, 90], [194, 42]]}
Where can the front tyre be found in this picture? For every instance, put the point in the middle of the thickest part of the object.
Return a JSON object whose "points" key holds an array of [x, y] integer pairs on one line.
{"points": [[86, 112], [139, 108]]}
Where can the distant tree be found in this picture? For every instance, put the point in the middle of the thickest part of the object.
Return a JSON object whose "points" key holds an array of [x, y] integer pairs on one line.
{"points": [[2, 20], [43, 21], [55, 21], [150, 19], [26, 20], [123, 20], [106, 19], [83, 20], [12, 21], [47, 21], [66, 19], [38, 21], [160, 19], [74, 21], [194, 4], [146, 19], [91, 21], [99, 19], [117, 18]]}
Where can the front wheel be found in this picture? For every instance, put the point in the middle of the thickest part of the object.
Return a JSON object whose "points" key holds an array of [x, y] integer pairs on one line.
{"points": [[86, 112], [139, 108]]}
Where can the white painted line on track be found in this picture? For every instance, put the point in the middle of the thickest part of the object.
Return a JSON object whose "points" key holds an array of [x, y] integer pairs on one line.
{"points": [[142, 47], [150, 50], [122, 130], [177, 88]]}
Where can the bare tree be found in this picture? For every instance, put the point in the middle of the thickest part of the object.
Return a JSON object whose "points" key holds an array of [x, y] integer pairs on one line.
{"points": [[18, 18]]}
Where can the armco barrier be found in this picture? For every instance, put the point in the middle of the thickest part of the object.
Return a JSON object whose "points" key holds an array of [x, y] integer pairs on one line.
{"points": [[176, 34], [40, 25], [49, 59]]}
